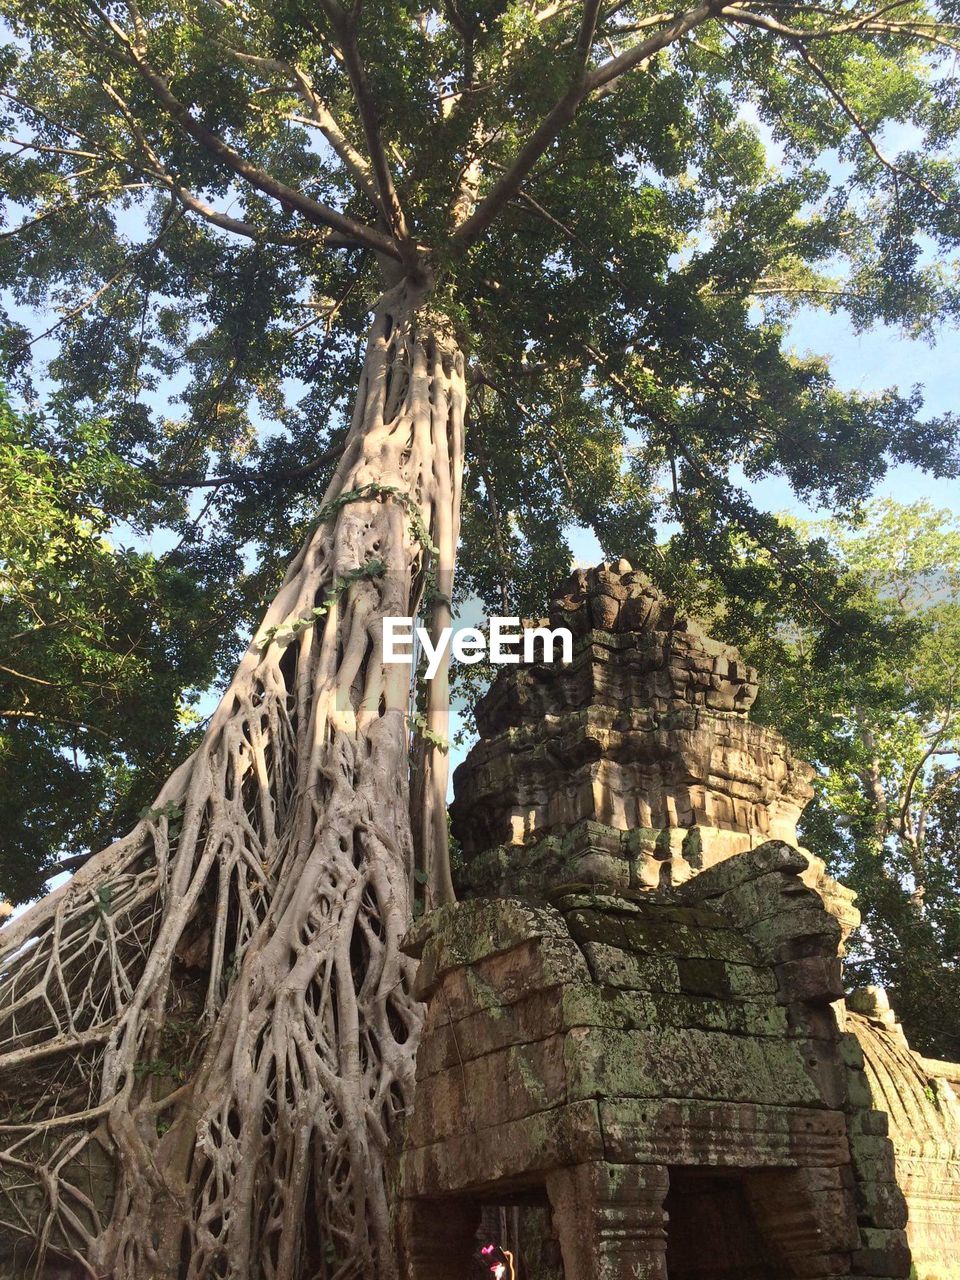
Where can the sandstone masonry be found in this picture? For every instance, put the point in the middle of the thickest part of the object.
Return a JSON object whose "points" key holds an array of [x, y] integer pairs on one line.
{"points": [[636, 1034]]}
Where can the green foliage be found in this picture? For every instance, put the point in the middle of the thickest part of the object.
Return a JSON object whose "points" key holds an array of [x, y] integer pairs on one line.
{"points": [[101, 648], [284, 633], [626, 308], [877, 716], [624, 316], [171, 811], [420, 727], [160, 1068]]}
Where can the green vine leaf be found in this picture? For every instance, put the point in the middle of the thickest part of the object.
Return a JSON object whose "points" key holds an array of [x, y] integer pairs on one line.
{"points": [[171, 811], [284, 632], [420, 727]]}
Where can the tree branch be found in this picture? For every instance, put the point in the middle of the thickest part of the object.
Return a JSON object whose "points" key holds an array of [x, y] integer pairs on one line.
{"points": [[608, 72], [224, 221], [320, 118], [931, 751], [868, 24], [19, 713], [289, 197], [897, 170], [582, 86], [588, 29], [345, 31], [186, 480]]}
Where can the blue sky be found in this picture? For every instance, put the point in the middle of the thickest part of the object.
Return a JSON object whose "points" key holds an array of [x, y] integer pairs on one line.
{"points": [[871, 361]]}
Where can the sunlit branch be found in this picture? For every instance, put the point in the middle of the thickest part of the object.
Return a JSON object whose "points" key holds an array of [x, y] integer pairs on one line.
{"points": [[560, 115], [155, 168], [343, 27], [288, 197], [320, 117], [865, 133], [871, 23]]}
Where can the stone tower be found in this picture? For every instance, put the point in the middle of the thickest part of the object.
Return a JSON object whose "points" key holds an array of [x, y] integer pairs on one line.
{"points": [[636, 766], [636, 1039]]}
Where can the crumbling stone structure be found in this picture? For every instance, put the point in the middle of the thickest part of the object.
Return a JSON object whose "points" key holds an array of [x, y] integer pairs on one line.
{"points": [[635, 766], [919, 1099], [635, 1023]]}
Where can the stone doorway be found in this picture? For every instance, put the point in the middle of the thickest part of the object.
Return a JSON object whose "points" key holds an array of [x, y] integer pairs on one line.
{"points": [[443, 1239], [713, 1231], [524, 1224]]}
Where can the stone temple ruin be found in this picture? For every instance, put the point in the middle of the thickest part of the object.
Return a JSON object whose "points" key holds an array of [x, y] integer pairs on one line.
{"points": [[636, 1037]]}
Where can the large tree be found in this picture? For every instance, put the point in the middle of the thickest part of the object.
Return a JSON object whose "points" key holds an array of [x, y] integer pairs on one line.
{"points": [[566, 226]]}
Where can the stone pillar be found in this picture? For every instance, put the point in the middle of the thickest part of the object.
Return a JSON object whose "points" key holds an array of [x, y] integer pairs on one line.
{"points": [[437, 1239], [610, 1220]]}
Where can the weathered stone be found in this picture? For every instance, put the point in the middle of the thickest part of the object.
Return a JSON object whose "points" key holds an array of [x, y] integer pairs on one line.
{"points": [[695, 1064], [881, 1204], [663, 1051], [771, 856], [467, 933], [445, 1043], [614, 966], [645, 729], [813, 980], [884, 1253], [611, 1220], [708, 1134], [921, 1111], [686, 1063], [483, 1157]]}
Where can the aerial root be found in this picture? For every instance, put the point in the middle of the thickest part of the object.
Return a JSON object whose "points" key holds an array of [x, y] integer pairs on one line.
{"points": [[207, 1036]]}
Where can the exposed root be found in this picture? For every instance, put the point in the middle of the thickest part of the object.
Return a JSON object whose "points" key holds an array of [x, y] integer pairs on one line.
{"points": [[207, 1035]]}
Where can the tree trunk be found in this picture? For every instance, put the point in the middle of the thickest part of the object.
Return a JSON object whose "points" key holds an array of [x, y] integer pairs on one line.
{"points": [[208, 1034]]}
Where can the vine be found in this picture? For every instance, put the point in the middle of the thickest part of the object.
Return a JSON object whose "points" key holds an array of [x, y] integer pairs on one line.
{"points": [[283, 633], [418, 724]]}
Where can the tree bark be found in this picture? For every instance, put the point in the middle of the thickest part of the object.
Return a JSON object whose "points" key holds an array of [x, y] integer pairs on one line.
{"points": [[208, 1035]]}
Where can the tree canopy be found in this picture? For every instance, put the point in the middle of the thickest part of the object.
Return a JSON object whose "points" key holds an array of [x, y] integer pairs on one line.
{"points": [[874, 709], [619, 210], [101, 647], [878, 717]]}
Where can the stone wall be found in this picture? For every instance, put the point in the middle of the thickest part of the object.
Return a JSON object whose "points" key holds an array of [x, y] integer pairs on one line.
{"points": [[633, 1037], [635, 766], [646, 731], [638, 1022], [915, 1100]]}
